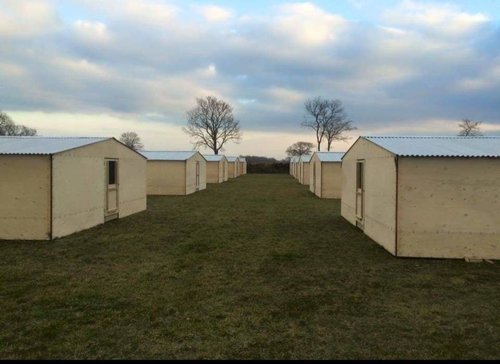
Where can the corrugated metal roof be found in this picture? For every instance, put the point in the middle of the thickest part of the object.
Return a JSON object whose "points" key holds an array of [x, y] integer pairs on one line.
{"points": [[232, 159], [213, 158], [329, 156], [242, 159], [305, 158], [295, 159], [440, 146], [43, 145], [168, 155]]}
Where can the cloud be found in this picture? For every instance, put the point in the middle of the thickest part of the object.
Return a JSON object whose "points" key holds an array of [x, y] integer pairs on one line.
{"points": [[27, 18], [14, 70], [209, 71], [92, 31], [307, 24], [278, 97], [154, 13], [439, 19], [487, 79], [213, 13]]}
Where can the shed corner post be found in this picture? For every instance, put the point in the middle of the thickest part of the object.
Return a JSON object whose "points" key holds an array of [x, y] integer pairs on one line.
{"points": [[51, 212], [396, 224], [186, 165]]}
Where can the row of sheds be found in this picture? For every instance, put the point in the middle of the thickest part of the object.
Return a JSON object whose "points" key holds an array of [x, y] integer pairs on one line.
{"points": [[52, 187], [183, 173], [321, 172], [434, 197]]}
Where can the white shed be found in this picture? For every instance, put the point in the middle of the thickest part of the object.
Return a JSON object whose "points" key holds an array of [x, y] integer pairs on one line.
{"points": [[233, 167], [175, 173], [51, 187], [216, 168], [243, 165], [325, 174], [436, 197], [304, 170], [294, 166]]}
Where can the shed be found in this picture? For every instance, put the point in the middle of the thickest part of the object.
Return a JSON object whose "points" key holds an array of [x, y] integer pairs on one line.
{"points": [[243, 165], [436, 197], [325, 178], [294, 166], [233, 167], [216, 168], [304, 176], [52, 186], [175, 173]]}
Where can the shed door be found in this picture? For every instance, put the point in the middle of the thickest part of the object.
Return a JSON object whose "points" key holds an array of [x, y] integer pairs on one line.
{"points": [[111, 209], [224, 166], [360, 192], [197, 176]]}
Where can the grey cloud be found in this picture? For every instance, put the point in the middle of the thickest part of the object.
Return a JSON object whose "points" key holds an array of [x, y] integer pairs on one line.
{"points": [[141, 69]]}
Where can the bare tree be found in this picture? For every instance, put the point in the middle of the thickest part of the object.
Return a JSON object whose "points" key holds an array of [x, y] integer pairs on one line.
{"points": [[212, 124], [9, 128], [131, 140], [336, 123], [315, 119], [470, 128], [299, 148]]}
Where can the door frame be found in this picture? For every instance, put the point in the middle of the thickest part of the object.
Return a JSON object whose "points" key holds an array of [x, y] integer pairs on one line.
{"points": [[360, 192], [314, 176], [111, 214], [198, 173]]}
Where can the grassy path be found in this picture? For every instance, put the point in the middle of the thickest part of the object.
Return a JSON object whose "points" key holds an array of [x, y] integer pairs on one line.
{"points": [[255, 268]]}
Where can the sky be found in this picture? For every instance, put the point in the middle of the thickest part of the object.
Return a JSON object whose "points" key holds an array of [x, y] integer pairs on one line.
{"points": [[99, 68]]}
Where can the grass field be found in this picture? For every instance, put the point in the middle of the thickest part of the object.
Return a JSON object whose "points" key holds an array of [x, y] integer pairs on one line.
{"points": [[255, 268]]}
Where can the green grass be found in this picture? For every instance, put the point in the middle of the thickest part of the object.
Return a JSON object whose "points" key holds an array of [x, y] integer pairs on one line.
{"points": [[255, 268]]}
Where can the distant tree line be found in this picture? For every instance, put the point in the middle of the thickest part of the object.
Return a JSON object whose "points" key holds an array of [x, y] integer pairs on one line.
{"points": [[256, 164], [9, 128]]}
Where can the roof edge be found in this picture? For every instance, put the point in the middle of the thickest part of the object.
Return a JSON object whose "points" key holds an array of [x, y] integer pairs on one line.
{"points": [[105, 139]]}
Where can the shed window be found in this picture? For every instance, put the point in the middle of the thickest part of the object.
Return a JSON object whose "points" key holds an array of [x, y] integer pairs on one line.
{"points": [[111, 172]]}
